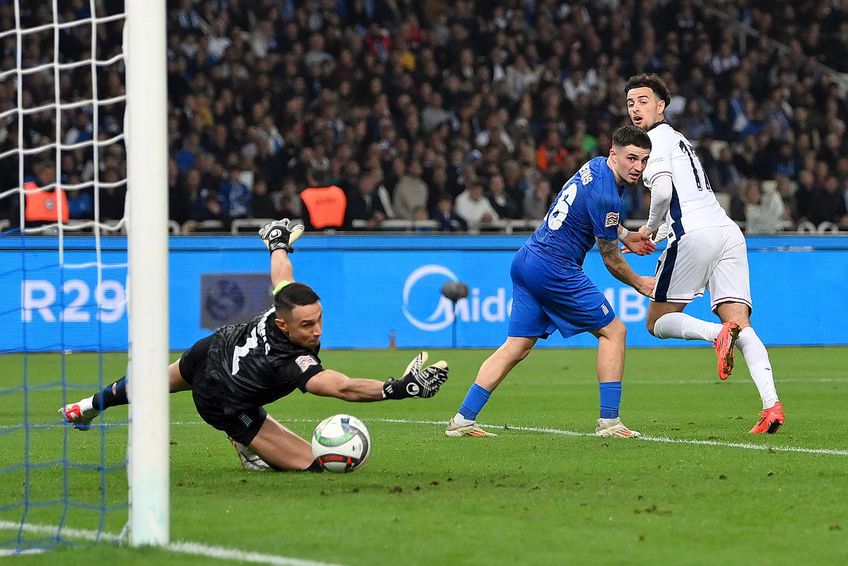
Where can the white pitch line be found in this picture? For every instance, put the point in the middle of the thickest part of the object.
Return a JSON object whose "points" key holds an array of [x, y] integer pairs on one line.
{"points": [[637, 381], [564, 432], [183, 547]]}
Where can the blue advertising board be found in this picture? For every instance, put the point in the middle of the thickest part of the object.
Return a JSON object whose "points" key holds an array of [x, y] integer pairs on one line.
{"points": [[378, 289]]}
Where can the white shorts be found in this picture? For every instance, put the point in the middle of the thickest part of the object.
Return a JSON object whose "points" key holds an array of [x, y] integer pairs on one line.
{"points": [[714, 258]]}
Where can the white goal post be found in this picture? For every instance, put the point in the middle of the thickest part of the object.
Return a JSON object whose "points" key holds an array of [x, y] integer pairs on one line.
{"points": [[147, 242]]}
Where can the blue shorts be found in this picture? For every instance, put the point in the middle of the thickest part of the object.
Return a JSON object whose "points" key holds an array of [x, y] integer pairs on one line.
{"points": [[548, 297]]}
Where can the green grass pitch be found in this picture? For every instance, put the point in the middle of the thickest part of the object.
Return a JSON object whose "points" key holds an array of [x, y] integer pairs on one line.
{"points": [[526, 497]]}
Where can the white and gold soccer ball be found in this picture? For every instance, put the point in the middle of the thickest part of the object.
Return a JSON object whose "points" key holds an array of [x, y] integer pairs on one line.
{"points": [[341, 443]]}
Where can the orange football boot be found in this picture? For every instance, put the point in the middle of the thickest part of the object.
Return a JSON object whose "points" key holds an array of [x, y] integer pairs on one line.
{"points": [[770, 420], [723, 346]]}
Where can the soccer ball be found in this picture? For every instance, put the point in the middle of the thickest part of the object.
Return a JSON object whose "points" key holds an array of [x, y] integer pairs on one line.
{"points": [[341, 443]]}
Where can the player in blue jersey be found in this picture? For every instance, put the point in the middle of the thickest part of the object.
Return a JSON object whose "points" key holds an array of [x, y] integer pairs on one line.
{"points": [[551, 292]]}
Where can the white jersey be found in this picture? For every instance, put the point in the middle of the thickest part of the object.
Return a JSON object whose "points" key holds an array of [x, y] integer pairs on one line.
{"points": [[693, 204]]}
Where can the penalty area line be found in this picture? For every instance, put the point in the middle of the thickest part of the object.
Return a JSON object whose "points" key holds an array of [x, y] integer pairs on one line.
{"points": [[183, 547]]}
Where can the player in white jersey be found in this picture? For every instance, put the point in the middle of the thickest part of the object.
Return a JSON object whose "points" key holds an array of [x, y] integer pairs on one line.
{"points": [[706, 250]]}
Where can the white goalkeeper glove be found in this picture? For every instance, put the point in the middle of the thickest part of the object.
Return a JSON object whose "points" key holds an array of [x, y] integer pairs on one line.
{"points": [[280, 235], [417, 382]]}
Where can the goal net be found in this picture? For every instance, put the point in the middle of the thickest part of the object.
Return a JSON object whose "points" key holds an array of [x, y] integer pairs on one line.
{"points": [[68, 253]]}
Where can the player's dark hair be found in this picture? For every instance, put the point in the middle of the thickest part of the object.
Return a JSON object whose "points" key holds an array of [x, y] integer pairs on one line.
{"points": [[294, 295], [653, 82], [631, 135]]}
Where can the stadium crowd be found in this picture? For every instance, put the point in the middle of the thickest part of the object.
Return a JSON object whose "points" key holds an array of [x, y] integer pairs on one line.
{"points": [[460, 112]]}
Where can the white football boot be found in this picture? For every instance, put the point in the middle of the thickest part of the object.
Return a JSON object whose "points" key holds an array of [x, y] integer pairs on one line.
{"points": [[250, 460], [614, 427]]}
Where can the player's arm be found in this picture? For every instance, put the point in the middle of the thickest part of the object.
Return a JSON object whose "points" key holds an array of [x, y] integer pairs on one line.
{"points": [[331, 383], [661, 189], [418, 381], [658, 178], [281, 268], [279, 236], [620, 269]]}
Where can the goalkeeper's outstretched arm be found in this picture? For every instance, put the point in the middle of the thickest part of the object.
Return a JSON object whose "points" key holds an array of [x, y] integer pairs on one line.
{"points": [[417, 381]]}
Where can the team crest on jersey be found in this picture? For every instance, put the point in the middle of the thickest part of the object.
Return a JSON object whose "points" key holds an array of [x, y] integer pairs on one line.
{"points": [[612, 219], [304, 362]]}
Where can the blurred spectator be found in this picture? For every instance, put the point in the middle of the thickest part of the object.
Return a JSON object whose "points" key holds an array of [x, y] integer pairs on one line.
{"points": [[538, 200], [262, 203], [448, 220], [112, 196], [236, 197], [784, 163], [827, 204], [474, 207], [764, 212], [410, 192], [364, 203], [726, 176], [503, 203], [786, 189], [694, 122], [551, 153], [290, 204]]}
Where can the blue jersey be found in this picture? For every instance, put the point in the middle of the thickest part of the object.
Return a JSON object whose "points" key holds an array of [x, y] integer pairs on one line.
{"points": [[588, 206]]}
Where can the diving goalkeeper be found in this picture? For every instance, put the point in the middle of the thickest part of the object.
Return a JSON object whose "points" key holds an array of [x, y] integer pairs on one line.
{"points": [[241, 367]]}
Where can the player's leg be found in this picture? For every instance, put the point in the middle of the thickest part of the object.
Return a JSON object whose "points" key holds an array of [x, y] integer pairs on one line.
{"points": [[611, 347], [282, 449], [759, 366], [527, 322], [730, 290], [682, 273], [260, 441], [491, 373], [685, 269], [81, 413], [667, 320]]}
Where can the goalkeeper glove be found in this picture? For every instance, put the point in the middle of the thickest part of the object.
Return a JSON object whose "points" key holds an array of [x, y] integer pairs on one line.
{"points": [[280, 235], [417, 382]]}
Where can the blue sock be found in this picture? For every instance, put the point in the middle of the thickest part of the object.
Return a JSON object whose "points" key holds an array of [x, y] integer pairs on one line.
{"points": [[610, 398], [474, 401], [114, 394]]}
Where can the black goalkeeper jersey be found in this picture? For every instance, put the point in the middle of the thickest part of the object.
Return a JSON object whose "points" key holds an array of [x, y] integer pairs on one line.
{"points": [[254, 363]]}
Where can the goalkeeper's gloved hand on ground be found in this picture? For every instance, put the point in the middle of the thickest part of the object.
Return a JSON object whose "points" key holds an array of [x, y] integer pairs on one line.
{"points": [[417, 382], [280, 234]]}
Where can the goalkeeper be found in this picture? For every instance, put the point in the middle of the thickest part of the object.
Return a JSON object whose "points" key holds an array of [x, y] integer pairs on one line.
{"points": [[242, 367]]}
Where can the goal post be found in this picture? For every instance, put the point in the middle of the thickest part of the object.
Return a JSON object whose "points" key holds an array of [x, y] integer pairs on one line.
{"points": [[147, 245]]}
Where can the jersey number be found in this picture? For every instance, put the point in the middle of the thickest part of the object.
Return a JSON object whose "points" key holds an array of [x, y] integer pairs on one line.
{"points": [[242, 351], [560, 210], [696, 164]]}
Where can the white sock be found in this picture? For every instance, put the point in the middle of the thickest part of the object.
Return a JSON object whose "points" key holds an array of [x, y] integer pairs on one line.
{"points": [[759, 365], [681, 325], [462, 421], [86, 404]]}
